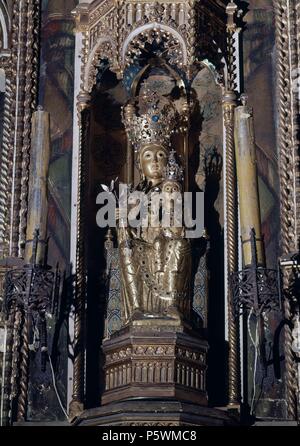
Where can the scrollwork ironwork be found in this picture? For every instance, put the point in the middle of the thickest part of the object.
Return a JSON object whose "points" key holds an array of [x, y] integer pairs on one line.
{"points": [[255, 288], [29, 294]]}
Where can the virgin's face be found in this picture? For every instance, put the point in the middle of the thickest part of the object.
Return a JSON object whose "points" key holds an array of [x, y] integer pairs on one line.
{"points": [[153, 160]]}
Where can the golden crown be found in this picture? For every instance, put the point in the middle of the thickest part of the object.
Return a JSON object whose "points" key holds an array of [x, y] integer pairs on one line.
{"points": [[173, 170], [150, 119]]}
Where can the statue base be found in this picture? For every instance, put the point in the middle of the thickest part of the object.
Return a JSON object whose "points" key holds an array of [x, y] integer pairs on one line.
{"points": [[155, 358], [158, 412], [155, 375]]}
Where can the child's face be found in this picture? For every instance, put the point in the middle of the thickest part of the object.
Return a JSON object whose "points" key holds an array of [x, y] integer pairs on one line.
{"points": [[169, 187]]}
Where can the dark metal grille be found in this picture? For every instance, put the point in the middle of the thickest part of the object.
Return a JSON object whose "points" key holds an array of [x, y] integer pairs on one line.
{"points": [[29, 287], [257, 289]]}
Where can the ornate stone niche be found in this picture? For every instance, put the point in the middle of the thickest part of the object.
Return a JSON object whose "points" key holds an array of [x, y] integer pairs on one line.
{"points": [[164, 358]]}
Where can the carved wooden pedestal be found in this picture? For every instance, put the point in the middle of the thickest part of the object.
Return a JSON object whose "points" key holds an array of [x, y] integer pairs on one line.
{"points": [[155, 362], [155, 412], [155, 376]]}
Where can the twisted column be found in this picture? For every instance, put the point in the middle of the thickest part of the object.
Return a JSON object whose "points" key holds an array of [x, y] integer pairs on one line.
{"points": [[229, 104], [16, 354], [24, 363], [18, 71], [7, 152], [5, 171], [76, 405], [290, 366], [7, 365], [288, 144], [21, 71], [30, 99]]}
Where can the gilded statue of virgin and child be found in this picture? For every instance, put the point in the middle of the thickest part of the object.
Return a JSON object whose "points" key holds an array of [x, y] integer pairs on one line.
{"points": [[155, 260]]}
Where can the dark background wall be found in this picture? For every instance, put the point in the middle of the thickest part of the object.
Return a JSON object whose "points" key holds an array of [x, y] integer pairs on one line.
{"points": [[259, 55], [56, 90], [56, 96], [259, 84]]}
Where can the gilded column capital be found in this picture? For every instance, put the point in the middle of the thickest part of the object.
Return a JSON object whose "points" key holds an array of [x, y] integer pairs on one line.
{"points": [[229, 98], [229, 102], [83, 101], [231, 11], [81, 17]]}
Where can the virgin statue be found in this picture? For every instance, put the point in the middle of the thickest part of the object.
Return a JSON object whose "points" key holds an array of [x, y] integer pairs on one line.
{"points": [[155, 260]]}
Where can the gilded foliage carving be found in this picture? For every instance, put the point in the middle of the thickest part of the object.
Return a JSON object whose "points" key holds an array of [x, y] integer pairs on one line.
{"points": [[120, 32]]}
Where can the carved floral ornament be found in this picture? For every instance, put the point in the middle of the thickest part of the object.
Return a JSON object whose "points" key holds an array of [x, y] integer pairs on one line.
{"points": [[149, 351], [121, 30]]}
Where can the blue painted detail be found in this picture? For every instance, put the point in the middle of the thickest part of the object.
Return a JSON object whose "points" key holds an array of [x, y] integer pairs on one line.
{"points": [[130, 74]]}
